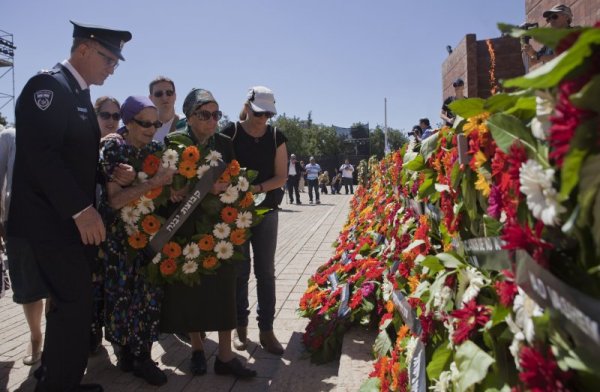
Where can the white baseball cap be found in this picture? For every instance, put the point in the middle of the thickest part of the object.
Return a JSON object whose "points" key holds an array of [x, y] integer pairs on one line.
{"points": [[261, 99]]}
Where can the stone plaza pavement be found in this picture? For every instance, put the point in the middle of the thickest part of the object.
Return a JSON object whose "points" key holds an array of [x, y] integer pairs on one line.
{"points": [[306, 233]]}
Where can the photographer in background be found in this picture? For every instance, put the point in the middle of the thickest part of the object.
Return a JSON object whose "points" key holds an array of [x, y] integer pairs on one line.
{"points": [[558, 17], [459, 93]]}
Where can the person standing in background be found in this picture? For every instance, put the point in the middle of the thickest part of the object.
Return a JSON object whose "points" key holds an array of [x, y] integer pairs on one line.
{"points": [[347, 176], [294, 175], [312, 176], [163, 95]]}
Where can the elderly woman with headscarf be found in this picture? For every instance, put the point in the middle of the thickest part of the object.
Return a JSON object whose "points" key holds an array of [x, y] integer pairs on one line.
{"points": [[132, 305]]}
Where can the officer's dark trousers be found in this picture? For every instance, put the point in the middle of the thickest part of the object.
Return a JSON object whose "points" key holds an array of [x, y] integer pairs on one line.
{"points": [[65, 269], [292, 186]]}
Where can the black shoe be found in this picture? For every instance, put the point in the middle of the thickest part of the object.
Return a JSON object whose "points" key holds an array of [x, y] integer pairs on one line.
{"points": [[233, 367], [318, 201], [148, 370], [291, 201], [125, 359], [298, 202], [198, 365]]}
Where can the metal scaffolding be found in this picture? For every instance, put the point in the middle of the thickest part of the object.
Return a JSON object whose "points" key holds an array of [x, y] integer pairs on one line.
{"points": [[7, 70]]}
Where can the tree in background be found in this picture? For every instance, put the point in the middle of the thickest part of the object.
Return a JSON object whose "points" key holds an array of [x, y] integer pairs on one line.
{"points": [[3, 121]]}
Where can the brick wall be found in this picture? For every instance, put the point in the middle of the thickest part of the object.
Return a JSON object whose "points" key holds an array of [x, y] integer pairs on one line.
{"points": [[585, 12]]}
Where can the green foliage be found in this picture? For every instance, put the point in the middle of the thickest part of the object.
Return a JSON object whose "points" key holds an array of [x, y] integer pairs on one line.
{"points": [[440, 361], [472, 363]]}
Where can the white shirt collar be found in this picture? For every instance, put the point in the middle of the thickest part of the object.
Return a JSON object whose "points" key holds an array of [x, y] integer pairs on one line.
{"points": [[82, 84]]}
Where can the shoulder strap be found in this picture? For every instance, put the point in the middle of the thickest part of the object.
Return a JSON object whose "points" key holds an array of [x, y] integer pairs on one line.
{"points": [[275, 138], [235, 130]]}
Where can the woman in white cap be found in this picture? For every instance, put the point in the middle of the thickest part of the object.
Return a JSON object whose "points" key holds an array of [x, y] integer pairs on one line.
{"points": [[259, 146]]}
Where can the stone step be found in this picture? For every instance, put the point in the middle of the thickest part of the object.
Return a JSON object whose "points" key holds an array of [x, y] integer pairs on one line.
{"points": [[357, 359]]}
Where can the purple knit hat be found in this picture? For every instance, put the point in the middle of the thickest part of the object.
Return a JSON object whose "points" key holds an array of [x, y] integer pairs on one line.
{"points": [[133, 105]]}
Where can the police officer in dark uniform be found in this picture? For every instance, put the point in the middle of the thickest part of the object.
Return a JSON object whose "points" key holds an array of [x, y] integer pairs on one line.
{"points": [[53, 195]]}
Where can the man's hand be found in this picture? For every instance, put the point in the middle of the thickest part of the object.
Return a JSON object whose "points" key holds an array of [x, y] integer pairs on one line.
{"points": [[123, 175], [179, 195], [90, 226], [163, 176]]}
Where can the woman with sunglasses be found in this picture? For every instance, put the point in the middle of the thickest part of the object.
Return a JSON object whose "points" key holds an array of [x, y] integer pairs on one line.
{"points": [[259, 146], [108, 114], [132, 305], [209, 306]]}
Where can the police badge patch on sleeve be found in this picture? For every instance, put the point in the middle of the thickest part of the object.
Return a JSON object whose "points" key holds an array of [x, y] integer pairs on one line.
{"points": [[43, 98]]}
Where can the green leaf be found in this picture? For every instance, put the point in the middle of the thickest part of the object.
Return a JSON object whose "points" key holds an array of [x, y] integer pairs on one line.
{"points": [[429, 146], [426, 187], [440, 360], [546, 36], [588, 187], [468, 107], [383, 344], [551, 73], [499, 314], [587, 97], [525, 108], [507, 129], [416, 164], [596, 226], [569, 174], [433, 263], [371, 385], [449, 260], [472, 363], [500, 102], [492, 226]]}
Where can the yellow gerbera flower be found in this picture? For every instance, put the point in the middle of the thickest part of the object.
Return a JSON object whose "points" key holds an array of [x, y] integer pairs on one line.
{"points": [[479, 158], [482, 184], [476, 123]]}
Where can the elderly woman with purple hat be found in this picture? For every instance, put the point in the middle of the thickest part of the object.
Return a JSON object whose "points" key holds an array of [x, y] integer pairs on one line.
{"points": [[132, 305]]}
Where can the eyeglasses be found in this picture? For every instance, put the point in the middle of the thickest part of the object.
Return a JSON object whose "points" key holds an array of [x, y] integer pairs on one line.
{"points": [[109, 61], [159, 93], [106, 115], [552, 17], [263, 114], [205, 115], [148, 124]]}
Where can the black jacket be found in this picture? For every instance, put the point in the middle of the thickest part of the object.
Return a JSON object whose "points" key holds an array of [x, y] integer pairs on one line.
{"points": [[56, 158], [299, 170]]}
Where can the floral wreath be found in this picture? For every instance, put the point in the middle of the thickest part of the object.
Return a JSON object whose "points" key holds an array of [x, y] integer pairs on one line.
{"points": [[219, 234]]}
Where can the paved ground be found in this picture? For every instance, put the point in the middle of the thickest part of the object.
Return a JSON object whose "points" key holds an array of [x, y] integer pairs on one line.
{"points": [[306, 233]]}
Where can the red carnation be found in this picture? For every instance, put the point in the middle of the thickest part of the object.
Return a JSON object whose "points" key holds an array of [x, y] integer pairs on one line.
{"points": [[541, 373], [507, 289]]}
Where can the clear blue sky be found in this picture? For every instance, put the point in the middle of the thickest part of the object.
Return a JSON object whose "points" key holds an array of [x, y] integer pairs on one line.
{"points": [[336, 58]]}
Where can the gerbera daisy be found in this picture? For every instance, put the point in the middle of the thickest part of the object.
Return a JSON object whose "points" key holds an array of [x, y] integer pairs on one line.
{"points": [[542, 200], [467, 319], [213, 158], [168, 267], [224, 250], [202, 169], [243, 184], [476, 123], [145, 205], [234, 168], [244, 220], [229, 214], [189, 267], [191, 154], [154, 193], [170, 158], [230, 195], [247, 200], [130, 215], [483, 183], [191, 251], [209, 262], [138, 240], [238, 236], [150, 224], [206, 243], [187, 169], [172, 249], [150, 165], [221, 230]]}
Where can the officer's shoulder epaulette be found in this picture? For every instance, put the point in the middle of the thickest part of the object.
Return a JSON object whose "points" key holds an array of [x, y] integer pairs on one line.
{"points": [[48, 71]]}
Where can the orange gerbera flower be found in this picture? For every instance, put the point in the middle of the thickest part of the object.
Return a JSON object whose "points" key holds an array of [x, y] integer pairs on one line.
{"points": [[234, 168], [225, 177], [168, 267], [138, 240], [247, 200], [209, 262], [207, 242], [187, 169], [154, 193], [191, 154], [238, 236], [151, 165], [229, 214], [172, 249], [150, 224]]}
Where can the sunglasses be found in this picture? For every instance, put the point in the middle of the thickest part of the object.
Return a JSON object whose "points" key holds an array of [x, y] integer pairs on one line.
{"points": [[552, 17], [109, 61], [106, 115], [148, 124], [205, 115], [159, 93], [263, 114]]}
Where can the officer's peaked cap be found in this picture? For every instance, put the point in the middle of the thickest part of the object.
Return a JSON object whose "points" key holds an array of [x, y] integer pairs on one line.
{"points": [[111, 39]]}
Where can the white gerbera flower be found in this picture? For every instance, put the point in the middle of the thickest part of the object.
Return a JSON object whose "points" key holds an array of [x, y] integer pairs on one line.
{"points": [[443, 383], [536, 184], [525, 308], [189, 267], [145, 205], [213, 158], [230, 195], [224, 250], [191, 251], [202, 169], [142, 177], [475, 281], [244, 220], [170, 158], [156, 259], [243, 184], [221, 231], [540, 125], [130, 215], [130, 230]]}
